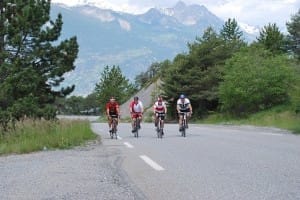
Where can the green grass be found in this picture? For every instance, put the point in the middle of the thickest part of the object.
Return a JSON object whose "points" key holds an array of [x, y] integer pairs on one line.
{"points": [[32, 136], [278, 117]]}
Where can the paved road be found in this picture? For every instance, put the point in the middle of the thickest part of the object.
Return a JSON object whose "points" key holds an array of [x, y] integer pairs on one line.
{"points": [[212, 162]]}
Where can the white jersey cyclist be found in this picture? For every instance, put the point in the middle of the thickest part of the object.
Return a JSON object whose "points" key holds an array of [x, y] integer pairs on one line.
{"points": [[183, 104]]}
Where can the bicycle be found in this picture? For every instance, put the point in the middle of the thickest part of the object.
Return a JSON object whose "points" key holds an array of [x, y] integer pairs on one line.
{"points": [[183, 123], [159, 129], [136, 126], [114, 124]]}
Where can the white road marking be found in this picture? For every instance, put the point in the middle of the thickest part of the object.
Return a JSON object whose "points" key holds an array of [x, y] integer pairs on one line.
{"points": [[119, 137], [150, 162], [128, 145]]}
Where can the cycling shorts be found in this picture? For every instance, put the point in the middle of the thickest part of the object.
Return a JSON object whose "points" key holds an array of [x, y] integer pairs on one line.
{"points": [[136, 115], [113, 114], [161, 115]]}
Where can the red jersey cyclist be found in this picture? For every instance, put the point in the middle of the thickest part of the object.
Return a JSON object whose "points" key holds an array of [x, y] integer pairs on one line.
{"points": [[136, 110], [112, 110]]}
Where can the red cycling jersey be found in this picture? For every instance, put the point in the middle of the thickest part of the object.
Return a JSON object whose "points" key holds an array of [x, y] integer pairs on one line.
{"points": [[112, 108]]}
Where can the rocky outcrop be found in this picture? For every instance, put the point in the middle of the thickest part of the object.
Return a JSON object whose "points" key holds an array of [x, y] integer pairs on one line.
{"points": [[146, 95]]}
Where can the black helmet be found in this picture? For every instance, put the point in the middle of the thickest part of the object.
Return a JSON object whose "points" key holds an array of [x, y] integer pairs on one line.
{"points": [[136, 98]]}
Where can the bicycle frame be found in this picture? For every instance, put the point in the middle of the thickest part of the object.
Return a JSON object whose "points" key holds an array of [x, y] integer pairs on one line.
{"points": [[114, 124], [136, 126], [183, 123], [159, 125]]}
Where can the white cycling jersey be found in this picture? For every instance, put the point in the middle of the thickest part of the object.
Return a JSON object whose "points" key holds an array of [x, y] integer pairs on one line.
{"points": [[183, 105], [137, 108]]}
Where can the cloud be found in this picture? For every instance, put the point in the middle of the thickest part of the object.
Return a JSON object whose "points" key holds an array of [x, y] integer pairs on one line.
{"points": [[256, 12], [252, 12], [103, 16]]}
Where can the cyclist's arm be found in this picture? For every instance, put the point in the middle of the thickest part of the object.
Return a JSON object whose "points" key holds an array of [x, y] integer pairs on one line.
{"points": [[130, 108], [107, 110], [154, 108], [191, 109], [142, 107], [178, 108]]}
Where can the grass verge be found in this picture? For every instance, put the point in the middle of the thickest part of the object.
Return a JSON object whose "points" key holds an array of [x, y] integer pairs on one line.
{"points": [[32, 136], [278, 117]]}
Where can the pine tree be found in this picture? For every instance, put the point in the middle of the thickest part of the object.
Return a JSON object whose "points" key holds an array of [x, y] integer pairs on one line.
{"points": [[272, 39], [293, 28], [113, 83], [231, 31], [32, 62]]}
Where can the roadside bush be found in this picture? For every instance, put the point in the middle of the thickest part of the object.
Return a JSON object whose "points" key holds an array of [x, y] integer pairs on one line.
{"points": [[255, 80]]}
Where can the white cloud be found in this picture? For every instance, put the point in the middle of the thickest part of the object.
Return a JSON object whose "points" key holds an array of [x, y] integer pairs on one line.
{"points": [[103, 16], [253, 12], [256, 12]]}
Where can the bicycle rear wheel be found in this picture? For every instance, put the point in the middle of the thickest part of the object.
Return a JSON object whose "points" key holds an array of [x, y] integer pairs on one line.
{"points": [[136, 128]]}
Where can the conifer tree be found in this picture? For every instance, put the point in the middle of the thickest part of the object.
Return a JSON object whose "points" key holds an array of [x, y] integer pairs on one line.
{"points": [[272, 39], [113, 83], [32, 62], [293, 28]]}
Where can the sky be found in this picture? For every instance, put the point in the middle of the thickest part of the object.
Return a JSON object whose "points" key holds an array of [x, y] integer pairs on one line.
{"points": [[256, 13]]}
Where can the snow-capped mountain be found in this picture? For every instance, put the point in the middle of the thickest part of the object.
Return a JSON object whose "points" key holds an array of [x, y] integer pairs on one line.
{"points": [[131, 41], [103, 4], [249, 29]]}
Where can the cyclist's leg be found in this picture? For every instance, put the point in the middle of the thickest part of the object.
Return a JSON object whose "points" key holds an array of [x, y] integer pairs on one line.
{"points": [[117, 120], [155, 119], [133, 119], [109, 122], [140, 121], [180, 121], [188, 116], [162, 123]]}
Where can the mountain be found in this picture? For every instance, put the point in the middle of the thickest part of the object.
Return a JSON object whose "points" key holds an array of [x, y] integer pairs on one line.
{"points": [[132, 42]]}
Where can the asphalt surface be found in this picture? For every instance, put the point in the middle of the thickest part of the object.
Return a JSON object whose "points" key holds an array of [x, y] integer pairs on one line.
{"points": [[212, 162]]}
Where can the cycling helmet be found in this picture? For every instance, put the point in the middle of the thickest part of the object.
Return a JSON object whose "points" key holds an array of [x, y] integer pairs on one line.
{"points": [[182, 96], [136, 98]]}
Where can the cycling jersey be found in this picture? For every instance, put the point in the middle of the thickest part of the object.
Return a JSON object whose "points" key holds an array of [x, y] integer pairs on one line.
{"points": [[136, 107], [183, 105], [159, 107], [112, 108]]}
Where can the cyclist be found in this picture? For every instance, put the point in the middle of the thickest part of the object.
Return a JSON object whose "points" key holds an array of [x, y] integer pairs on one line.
{"points": [[183, 106], [136, 110], [112, 109], [159, 109]]}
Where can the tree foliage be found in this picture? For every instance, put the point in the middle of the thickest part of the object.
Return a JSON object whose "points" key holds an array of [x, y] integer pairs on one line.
{"points": [[293, 28], [255, 79], [272, 39], [32, 63], [231, 31], [113, 83], [198, 73], [149, 75]]}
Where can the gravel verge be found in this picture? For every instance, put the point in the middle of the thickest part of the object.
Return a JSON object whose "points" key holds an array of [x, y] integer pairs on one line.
{"points": [[90, 172]]}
